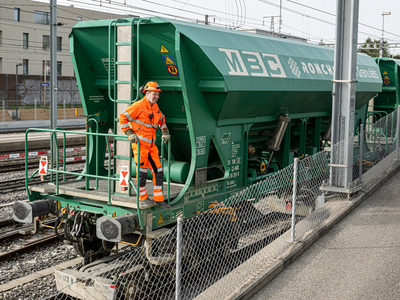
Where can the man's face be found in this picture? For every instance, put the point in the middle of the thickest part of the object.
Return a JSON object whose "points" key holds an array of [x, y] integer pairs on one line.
{"points": [[152, 97]]}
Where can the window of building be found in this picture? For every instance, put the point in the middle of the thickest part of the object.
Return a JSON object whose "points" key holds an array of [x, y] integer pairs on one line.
{"points": [[16, 14], [46, 67], [59, 65], [79, 19], [41, 17], [59, 43], [25, 40], [25, 66], [46, 42]]}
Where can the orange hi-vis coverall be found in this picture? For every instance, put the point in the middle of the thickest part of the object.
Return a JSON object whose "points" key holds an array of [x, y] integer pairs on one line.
{"points": [[143, 119]]}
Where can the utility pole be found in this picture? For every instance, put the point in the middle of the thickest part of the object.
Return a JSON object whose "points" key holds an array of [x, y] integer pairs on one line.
{"points": [[16, 91], [385, 13], [53, 63], [280, 19], [53, 78], [343, 97]]}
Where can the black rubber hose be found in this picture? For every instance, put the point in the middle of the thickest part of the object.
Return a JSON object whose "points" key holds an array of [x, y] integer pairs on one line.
{"points": [[66, 233]]}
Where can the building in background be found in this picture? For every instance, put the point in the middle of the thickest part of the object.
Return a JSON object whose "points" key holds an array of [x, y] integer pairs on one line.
{"points": [[25, 39], [25, 36]]}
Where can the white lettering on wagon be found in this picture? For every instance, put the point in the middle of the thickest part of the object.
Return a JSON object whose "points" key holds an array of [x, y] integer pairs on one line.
{"points": [[269, 65], [257, 62]]}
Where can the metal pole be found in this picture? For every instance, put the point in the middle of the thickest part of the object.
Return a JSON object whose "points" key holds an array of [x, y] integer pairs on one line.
{"points": [[16, 92], [7, 99], [35, 111], [361, 140], [398, 132], [296, 161], [344, 92], [4, 111], [383, 26], [280, 19], [40, 88], [178, 259], [64, 108], [53, 74]]}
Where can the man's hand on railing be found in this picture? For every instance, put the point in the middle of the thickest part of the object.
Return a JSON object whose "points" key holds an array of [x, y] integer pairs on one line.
{"points": [[131, 136], [165, 135]]}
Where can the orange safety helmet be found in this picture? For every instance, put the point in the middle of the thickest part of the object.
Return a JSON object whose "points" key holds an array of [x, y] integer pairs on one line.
{"points": [[151, 86]]}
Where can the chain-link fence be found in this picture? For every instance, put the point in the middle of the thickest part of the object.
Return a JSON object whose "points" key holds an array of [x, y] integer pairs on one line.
{"points": [[208, 256]]}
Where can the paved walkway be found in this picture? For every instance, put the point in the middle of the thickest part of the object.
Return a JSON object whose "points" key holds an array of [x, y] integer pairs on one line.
{"points": [[359, 258]]}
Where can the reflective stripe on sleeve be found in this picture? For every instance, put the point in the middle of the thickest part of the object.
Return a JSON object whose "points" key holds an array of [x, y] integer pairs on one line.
{"points": [[143, 170], [159, 169], [125, 125], [163, 127], [128, 116]]}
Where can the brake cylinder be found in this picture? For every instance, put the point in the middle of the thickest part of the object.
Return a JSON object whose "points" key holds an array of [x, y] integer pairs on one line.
{"points": [[275, 142]]}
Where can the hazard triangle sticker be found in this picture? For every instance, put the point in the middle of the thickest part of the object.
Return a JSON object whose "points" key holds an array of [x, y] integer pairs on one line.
{"points": [[163, 49]]}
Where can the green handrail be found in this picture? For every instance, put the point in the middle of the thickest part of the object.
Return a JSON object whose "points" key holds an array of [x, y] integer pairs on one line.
{"points": [[109, 178]]}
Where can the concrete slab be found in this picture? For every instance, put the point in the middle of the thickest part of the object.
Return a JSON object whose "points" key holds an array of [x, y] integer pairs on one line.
{"points": [[12, 284]]}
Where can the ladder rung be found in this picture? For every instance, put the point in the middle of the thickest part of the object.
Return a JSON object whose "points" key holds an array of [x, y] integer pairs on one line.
{"points": [[122, 62], [123, 82], [123, 43]]}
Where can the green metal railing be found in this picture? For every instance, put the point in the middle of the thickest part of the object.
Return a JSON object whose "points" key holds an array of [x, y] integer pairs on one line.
{"points": [[55, 163]]}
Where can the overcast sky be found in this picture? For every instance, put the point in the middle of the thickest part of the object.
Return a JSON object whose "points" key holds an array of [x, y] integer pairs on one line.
{"points": [[311, 19]]}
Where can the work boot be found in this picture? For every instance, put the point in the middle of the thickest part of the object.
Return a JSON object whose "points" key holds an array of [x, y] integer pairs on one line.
{"points": [[164, 204], [146, 203]]}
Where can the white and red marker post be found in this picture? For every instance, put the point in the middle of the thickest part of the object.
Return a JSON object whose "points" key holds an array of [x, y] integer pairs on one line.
{"points": [[43, 167], [124, 178]]}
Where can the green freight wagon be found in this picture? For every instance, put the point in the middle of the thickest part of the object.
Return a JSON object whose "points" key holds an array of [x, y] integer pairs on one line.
{"points": [[239, 107]]}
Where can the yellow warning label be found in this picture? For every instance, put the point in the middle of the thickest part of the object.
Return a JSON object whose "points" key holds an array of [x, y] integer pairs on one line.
{"points": [[168, 61], [385, 78], [160, 220], [385, 73], [163, 49]]}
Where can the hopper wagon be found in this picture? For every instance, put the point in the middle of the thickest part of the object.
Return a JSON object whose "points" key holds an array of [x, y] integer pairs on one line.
{"points": [[239, 107]]}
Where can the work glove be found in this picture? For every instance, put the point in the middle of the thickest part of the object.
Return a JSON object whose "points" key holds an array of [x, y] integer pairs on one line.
{"points": [[165, 135], [131, 136]]}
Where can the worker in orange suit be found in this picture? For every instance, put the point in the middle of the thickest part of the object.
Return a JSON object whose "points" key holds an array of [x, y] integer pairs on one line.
{"points": [[139, 122]]}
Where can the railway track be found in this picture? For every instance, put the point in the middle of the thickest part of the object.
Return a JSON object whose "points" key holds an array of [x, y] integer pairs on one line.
{"points": [[21, 233], [17, 166], [21, 153], [19, 184]]}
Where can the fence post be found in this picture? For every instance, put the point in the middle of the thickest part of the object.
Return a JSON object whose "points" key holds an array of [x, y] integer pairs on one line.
{"points": [[361, 141], [178, 259], [35, 111], [64, 108], [296, 162], [398, 132]]}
